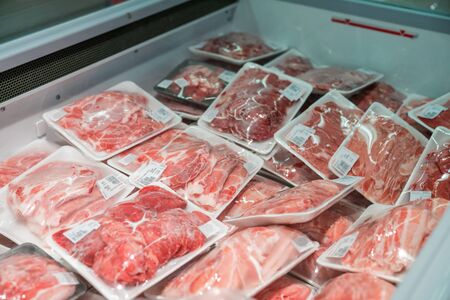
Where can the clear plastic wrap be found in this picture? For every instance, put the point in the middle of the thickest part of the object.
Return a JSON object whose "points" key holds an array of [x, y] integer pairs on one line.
{"points": [[256, 104], [386, 240], [185, 111], [383, 149], [381, 92], [412, 101], [356, 286], [286, 288], [292, 63], [433, 114], [27, 273], [112, 121], [246, 261], [137, 242], [315, 135]]}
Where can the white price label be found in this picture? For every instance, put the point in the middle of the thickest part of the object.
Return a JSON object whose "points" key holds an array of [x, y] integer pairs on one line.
{"points": [[303, 244], [165, 84], [347, 180], [149, 173], [431, 111], [341, 248], [227, 76], [419, 195], [210, 114], [127, 159], [181, 82], [66, 278], [110, 185], [161, 114], [293, 92], [79, 232], [344, 161], [57, 115], [300, 134], [209, 229]]}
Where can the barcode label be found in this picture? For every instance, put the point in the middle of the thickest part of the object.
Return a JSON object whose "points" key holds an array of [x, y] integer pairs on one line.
{"points": [[227, 76], [110, 185], [161, 114], [419, 195], [181, 82], [66, 278], [341, 248], [293, 92], [165, 84], [431, 111], [79, 232], [149, 173], [303, 244], [127, 159], [300, 134], [347, 180], [57, 115], [210, 114], [344, 161], [209, 229]]}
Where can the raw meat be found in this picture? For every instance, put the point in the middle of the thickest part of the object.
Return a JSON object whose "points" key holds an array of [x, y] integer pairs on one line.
{"points": [[435, 174], [356, 286], [136, 238], [331, 124], [110, 120], [17, 164], [387, 153], [380, 92], [285, 288], [242, 262], [57, 194], [294, 65], [32, 277], [406, 107], [253, 107], [443, 119], [180, 107], [325, 79], [237, 45], [389, 243]]}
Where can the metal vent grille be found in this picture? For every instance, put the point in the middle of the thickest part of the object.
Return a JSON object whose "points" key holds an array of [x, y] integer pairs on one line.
{"points": [[38, 72]]}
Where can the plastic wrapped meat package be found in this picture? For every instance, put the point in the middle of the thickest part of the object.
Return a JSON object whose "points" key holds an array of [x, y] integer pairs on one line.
{"points": [[292, 63], [196, 83], [386, 240], [433, 114], [431, 176], [383, 149], [236, 48], [412, 101], [326, 229], [184, 110], [356, 286], [27, 273], [247, 262], [380, 92], [137, 242], [296, 205], [24, 159], [112, 121], [286, 288], [256, 104], [63, 189], [315, 135]]}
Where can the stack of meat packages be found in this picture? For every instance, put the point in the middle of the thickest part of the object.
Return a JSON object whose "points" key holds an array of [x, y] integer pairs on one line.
{"points": [[348, 191]]}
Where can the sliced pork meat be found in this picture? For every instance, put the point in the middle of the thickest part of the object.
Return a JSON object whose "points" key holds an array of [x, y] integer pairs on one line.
{"points": [[381, 92], [442, 119], [410, 105], [293, 65], [286, 288]]}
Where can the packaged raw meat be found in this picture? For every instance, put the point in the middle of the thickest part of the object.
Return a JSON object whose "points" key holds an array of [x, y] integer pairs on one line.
{"points": [[385, 240], [112, 121], [315, 135], [138, 242], [185, 111], [292, 63], [256, 104], [27, 273], [345, 81], [381, 92], [383, 149], [286, 288], [215, 294], [24, 159], [433, 114], [63, 189], [356, 286], [236, 48], [288, 167], [195, 82], [297, 205], [247, 261], [200, 166], [431, 176], [412, 101]]}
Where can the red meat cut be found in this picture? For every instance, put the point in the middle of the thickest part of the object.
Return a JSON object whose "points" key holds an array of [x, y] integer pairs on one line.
{"points": [[294, 65], [380, 92], [443, 119], [406, 107], [285, 288]]}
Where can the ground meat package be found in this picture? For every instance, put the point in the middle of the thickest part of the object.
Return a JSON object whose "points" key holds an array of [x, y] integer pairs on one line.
{"points": [[196, 83], [256, 104], [383, 149], [138, 242], [63, 189], [431, 176], [385, 240], [413, 101], [24, 159], [112, 121], [27, 273], [236, 48], [287, 288], [296, 205], [315, 135], [433, 114], [292, 63]]}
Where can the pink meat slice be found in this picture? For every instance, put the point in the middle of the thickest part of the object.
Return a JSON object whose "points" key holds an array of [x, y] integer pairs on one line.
{"points": [[243, 261], [380, 92], [356, 286], [294, 65], [285, 288], [30, 276], [110, 120], [405, 108]]}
